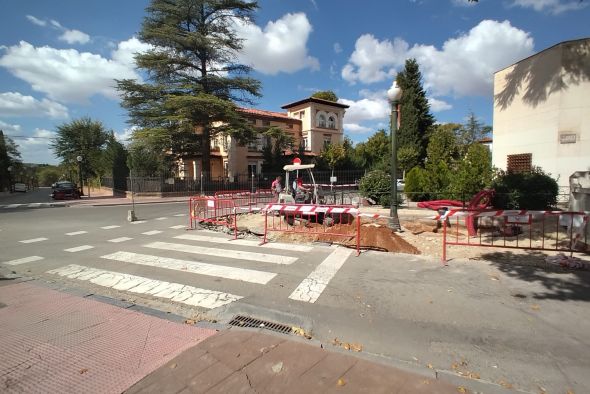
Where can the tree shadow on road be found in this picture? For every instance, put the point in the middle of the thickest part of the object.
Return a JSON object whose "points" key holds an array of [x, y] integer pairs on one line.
{"points": [[559, 283]]}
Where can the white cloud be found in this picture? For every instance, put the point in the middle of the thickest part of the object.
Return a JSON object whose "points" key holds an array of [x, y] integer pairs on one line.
{"points": [[16, 104], [373, 106], [463, 66], [74, 37], [356, 128], [553, 6], [10, 129], [337, 47], [69, 75], [437, 105], [36, 149], [463, 3], [36, 21], [280, 47], [124, 136]]}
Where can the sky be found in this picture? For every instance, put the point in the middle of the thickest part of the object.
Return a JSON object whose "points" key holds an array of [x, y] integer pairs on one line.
{"points": [[59, 58]]}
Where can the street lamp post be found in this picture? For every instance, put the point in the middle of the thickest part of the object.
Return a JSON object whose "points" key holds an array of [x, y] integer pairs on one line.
{"points": [[9, 178], [394, 94], [80, 179]]}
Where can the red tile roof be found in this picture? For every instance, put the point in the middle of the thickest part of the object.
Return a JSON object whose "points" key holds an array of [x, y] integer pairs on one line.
{"points": [[267, 114]]}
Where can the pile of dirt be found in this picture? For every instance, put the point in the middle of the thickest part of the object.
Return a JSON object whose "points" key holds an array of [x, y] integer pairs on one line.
{"points": [[384, 239]]}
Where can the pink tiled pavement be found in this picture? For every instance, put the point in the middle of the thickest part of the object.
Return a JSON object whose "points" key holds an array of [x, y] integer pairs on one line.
{"points": [[53, 342]]}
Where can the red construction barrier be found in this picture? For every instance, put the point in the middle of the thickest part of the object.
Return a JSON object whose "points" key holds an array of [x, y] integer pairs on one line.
{"points": [[329, 220], [516, 229], [213, 210], [246, 201]]}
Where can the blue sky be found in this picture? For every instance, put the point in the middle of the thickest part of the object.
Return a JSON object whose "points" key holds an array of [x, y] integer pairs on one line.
{"points": [[58, 58]]}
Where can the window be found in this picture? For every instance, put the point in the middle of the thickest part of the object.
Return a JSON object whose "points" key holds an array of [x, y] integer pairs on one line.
{"points": [[225, 167], [226, 143], [252, 168], [322, 120], [332, 122], [301, 114], [519, 163], [327, 140]]}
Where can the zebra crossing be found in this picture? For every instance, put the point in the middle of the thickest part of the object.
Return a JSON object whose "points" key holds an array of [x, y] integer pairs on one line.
{"points": [[200, 255], [34, 205]]}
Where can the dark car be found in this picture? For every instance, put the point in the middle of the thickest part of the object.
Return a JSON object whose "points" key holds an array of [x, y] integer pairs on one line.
{"points": [[63, 190]]}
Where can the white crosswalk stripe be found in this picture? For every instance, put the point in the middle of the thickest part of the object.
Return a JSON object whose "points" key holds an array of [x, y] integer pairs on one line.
{"points": [[232, 254], [152, 232], [33, 240], [110, 227], [185, 294], [10, 206], [221, 271], [78, 248], [245, 242], [311, 288], [121, 239], [34, 205], [24, 260], [77, 233], [178, 226], [161, 218]]}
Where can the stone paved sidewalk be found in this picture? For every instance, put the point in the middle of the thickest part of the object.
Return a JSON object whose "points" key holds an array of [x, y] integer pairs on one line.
{"points": [[55, 342], [238, 361]]}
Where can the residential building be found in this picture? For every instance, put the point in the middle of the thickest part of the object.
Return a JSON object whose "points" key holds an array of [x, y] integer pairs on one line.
{"points": [[312, 123], [542, 112]]}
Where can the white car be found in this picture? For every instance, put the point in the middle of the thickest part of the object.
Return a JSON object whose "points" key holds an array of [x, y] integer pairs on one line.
{"points": [[20, 187], [400, 185]]}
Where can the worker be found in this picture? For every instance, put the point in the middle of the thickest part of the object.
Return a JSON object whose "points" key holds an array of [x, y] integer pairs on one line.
{"points": [[276, 187]]}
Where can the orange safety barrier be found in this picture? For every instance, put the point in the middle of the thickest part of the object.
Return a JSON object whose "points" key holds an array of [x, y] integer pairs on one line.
{"points": [[515, 229], [325, 221], [213, 210]]}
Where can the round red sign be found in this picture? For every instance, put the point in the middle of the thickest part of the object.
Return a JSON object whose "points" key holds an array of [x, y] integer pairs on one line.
{"points": [[296, 160]]}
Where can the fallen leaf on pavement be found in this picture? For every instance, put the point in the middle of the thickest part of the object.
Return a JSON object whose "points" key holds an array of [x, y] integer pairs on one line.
{"points": [[535, 307], [300, 331], [173, 366], [190, 321], [83, 371], [430, 366], [427, 382], [461, 389], [505, 384], [341, 382], [278, 367], [570, 392], [473, 375], [494, 277]]}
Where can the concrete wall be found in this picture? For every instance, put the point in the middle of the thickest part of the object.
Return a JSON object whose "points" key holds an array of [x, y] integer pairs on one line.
{"points": [[542, 107]]}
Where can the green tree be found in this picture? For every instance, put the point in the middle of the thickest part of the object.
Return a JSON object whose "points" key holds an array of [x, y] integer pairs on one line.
{"points": [[81, 137], [415, 117], [472, 131], [443, 144], [48, 174], [194, 79], [144, 159], [9, 157], [375, 152], [273, 153], [473, 174], [326, 95], [334, 155], [407, 158]]}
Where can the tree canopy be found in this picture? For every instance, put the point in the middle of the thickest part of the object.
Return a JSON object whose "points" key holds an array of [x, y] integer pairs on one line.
{"points": [[9, 157], [326, 95], [193, 78]]}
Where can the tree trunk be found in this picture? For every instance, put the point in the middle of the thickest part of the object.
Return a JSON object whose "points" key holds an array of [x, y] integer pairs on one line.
{"points": [[206, 154]]}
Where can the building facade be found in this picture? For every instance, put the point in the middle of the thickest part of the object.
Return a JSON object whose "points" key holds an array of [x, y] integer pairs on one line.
{"points": [[312, 123], [542, 112]]}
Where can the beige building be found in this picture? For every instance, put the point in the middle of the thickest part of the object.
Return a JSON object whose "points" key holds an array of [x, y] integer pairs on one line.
{"points": [[542, 112], [313, 123]]}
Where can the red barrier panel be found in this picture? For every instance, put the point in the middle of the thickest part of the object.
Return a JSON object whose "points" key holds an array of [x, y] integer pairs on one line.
{"points": [[515, 229], [213, 210], [247, 201], [328, 220]]}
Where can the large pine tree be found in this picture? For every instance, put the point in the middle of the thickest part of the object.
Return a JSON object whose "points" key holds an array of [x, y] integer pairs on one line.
{"points": [[194, 79], [415, 117]]}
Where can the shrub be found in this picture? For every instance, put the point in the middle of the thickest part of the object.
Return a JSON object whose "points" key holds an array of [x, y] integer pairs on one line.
{"points": [[416, 183], [534, 190], [376, 185]]}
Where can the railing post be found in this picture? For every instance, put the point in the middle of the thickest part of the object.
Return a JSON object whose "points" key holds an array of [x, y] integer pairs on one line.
{"points": [[358, 233], [444, 251]]}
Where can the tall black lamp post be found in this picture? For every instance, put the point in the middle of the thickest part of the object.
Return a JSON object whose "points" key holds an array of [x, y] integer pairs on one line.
{"points": [[80, 179], [394, 94]]}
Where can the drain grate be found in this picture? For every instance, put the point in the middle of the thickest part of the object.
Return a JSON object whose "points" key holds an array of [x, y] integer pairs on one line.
{"points": [[250, 322]]}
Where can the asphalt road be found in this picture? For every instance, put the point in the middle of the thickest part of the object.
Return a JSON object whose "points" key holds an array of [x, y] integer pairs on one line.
{"points": [[517, 327]]}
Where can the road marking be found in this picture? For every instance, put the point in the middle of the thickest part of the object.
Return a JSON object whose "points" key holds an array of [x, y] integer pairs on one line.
{"points": [[245, 242], [122, 239], [153, 232], [180, 215], [35, 204], [178, 226], [24, 260], [161, 218], [109, 227], [30, 241], [78, 248], [137, 284], [310, 289], [77, 233], [232, 254], [12, 206], [139, 222], [196, 267]]}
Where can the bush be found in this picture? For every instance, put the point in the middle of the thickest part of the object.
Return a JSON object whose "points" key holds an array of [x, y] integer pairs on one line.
{"points": [[534, 190], [415, 186], [376, 185]]}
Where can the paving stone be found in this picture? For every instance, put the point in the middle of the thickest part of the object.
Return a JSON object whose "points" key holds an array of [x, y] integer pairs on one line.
{"points": [[236, 383], [209, 377], [325, 374]]}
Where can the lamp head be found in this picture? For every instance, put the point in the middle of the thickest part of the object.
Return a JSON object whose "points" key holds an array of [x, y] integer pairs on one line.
{"points": [[394, 93]]}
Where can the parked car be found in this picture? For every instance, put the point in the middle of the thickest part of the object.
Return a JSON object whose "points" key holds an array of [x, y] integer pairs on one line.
{"points": [[63, 190], [400, 185], [20, 187]]}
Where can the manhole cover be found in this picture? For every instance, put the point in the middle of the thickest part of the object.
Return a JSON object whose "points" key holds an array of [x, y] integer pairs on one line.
{"points": [[250, 322]]}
